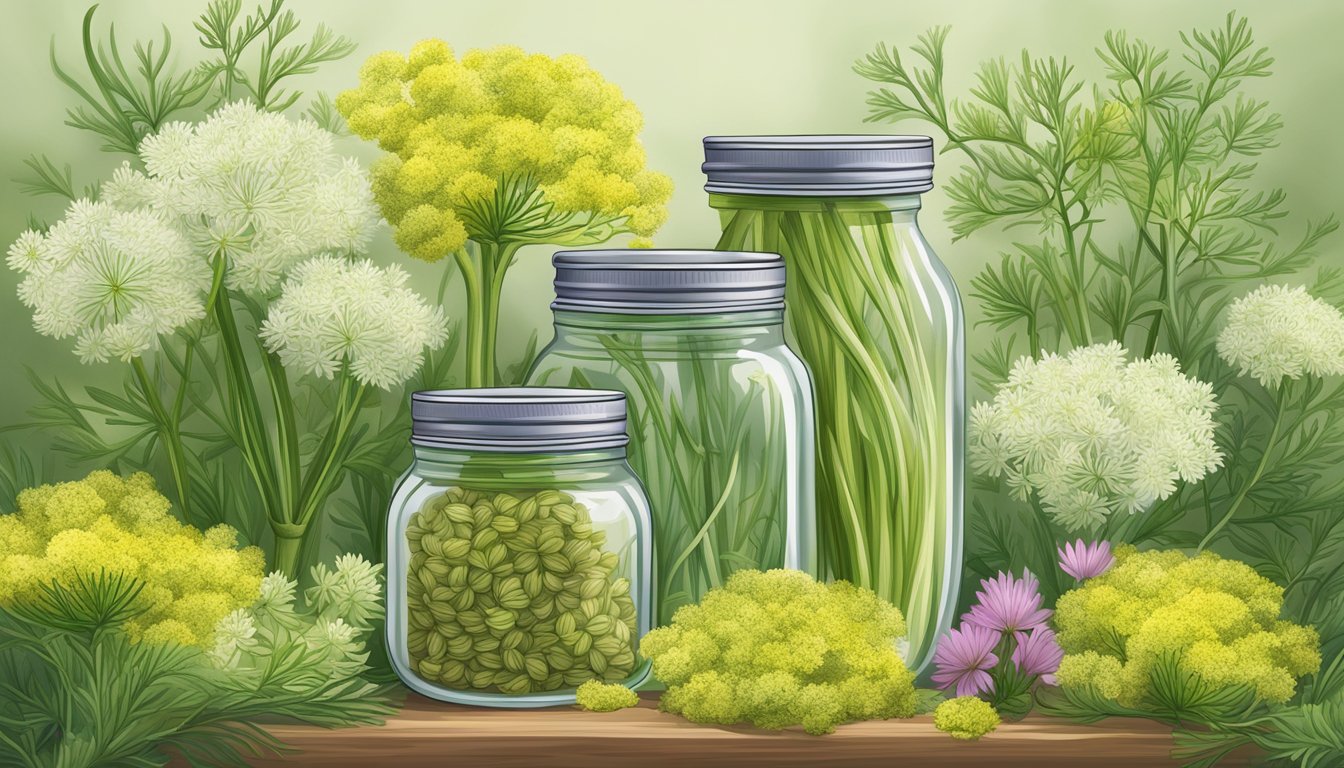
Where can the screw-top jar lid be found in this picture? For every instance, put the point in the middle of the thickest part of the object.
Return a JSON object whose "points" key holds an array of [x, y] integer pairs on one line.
{"points": [[519, 419], [659, 281], [818, 166]]}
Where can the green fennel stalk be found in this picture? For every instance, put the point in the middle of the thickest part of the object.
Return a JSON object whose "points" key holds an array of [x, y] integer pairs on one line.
{"points": [[886, 416], [292, 492]]}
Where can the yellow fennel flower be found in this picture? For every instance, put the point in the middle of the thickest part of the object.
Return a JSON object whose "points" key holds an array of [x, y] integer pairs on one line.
{"points": [[109, 524], [502, 146], [965, 717], [1212, 618]]}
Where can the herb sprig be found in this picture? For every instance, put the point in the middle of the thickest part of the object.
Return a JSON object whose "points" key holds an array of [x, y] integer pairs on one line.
{"points": [[1136, 217]]}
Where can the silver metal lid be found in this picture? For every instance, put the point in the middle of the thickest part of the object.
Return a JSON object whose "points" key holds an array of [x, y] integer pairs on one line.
{"points": [[519, 419], [818, 166], [658, 281]]}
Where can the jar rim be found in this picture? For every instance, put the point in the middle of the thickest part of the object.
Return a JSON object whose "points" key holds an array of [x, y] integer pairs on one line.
{"points": [[820, 165], [667, 281], [519, 419]]}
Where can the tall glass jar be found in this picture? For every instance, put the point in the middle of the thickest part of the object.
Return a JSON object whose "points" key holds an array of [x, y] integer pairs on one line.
{"points": [[518, 548], [720, 408], [878, 319]]}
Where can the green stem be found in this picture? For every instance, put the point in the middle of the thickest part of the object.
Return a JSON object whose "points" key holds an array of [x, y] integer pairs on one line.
{"points": [[287, 437], [288, 544], [1079, 295], [496, 260], [476, 340], [324, 473], [169, 436], [862, 323], [709, 484], [680, 497], [1165, 295], [244, 410], [1279, 400], [702, 537], [1309, 605]]}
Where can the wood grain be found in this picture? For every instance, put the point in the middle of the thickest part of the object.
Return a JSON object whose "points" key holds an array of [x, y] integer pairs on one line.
{"points": [[427, 733]]}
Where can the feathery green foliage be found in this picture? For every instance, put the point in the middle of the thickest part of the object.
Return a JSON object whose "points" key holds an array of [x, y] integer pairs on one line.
{"points": [[125, 103], [1139, 220], [78, 692], [1136, 217]]}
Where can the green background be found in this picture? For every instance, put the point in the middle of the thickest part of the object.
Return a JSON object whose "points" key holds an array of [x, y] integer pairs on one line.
{"points": [[694, 67]]}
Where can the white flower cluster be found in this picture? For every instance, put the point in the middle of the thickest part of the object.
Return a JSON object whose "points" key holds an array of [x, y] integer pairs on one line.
{"points": [[1092, 434], [1275, 331], [328, 635], [350, 591], [263, 190], [235, 635], [115, 279], [332, 311]]}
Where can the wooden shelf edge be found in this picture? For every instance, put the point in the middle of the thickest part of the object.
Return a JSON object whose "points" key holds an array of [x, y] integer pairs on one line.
{"points": [[428, 733]]}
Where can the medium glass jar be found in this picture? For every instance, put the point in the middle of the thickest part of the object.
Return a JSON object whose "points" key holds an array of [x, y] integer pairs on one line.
{"points": [[720, 408], [518, 548], [878, 320]]}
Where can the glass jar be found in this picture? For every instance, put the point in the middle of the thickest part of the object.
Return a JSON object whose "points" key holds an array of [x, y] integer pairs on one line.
{"points": [[518, 548], [878, 320], [720, 408]]}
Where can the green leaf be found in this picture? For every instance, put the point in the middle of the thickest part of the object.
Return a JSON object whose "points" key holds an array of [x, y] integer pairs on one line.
{"points": [[85, 603], [1009, 295], [126, 103], [993, 365], [323, 112], [46, 178]]}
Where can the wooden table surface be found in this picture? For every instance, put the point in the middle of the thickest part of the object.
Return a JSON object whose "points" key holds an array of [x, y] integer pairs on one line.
{"points": [[427, 733]]}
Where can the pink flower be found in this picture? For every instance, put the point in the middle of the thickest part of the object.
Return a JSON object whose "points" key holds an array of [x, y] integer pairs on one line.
{"points": [[964, 657], [1038, 653], [1083, 561], [1008, 604]]}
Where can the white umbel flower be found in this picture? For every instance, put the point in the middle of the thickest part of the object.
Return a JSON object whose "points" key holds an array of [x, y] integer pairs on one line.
{"points": [[114, 279], [25, 254], [263, 190], [352, 591], [277, 593], [1092, 433], [235, 634], [333, 312], [1275, 331]]}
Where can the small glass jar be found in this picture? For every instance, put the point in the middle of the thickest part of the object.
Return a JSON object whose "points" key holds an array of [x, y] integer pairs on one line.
{"points": [[878, 319], [518, 548], [720, 407]]}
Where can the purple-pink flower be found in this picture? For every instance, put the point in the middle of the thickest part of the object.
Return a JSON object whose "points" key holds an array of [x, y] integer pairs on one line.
{"points": [[964, 658], [1083, 561], [1008, 604], [1038, 653]]}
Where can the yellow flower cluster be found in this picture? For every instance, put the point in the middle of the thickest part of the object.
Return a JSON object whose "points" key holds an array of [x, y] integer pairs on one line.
{"points": [[1216, 618], [502, 146], [777, 648], [597, 696], [123, 525], [966, 718]]}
